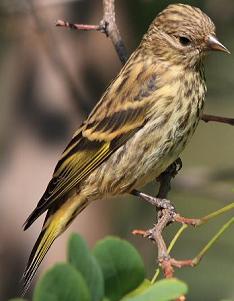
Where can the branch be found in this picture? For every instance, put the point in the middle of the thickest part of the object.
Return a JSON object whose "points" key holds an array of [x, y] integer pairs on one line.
{"points": [[112, 30], [207, 118], [165, 217], [107, 26], [61, 23]]}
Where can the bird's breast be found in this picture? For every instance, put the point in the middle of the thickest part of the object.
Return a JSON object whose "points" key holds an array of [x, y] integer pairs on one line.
{"points": [[171, 121]]}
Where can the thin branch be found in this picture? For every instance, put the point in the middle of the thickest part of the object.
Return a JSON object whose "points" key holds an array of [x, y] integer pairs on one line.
{"points": [[112, 29], [61, 23], [168, 216], [165, 217], [210, 216], [107, 26], [203, 220], [201, 254], [208, 118], [171, 245]]}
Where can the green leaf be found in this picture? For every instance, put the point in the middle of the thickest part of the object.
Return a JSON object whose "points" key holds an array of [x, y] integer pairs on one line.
{"points": [[122, 266], [62, 283], [163, 290], [140, 289], [82, 259]]}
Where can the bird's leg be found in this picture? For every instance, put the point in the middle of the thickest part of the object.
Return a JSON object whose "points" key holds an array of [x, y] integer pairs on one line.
{"points": [[166, 177], [158, 202], [161, 202], [165, 186]]}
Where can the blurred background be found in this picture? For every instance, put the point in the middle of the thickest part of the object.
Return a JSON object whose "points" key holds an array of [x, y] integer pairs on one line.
{"points": [[49, 80]]}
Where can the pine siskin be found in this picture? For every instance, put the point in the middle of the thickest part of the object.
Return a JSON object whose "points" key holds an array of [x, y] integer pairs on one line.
{"points": [[138, 128]]}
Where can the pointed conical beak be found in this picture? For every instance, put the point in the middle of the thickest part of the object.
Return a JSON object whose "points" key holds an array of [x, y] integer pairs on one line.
{"points": [[214, 44]]}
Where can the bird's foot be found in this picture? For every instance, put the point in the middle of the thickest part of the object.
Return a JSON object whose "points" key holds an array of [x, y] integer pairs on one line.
{"points": [[172, 169], [158, 202], [179, 164], [161, 204]]}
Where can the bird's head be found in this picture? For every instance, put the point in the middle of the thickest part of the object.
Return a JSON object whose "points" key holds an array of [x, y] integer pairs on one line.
{"points": [[182, 34]]}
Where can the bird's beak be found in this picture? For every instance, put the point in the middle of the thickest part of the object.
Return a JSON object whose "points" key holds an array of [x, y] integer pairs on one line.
{"points": [[214, 44]]}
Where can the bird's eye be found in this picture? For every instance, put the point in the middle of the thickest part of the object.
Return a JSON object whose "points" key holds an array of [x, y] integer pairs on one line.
{"points": [[184, 41]]}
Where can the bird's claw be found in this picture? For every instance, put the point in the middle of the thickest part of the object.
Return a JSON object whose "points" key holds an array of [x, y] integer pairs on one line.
{"points": [[166, 204]]}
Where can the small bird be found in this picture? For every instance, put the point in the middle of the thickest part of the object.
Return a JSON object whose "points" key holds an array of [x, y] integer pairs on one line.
{"points": [[138, 128]]}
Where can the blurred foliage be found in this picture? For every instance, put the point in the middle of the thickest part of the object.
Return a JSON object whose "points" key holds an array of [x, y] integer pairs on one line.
{"points": [[117, 262], [82, 259]]}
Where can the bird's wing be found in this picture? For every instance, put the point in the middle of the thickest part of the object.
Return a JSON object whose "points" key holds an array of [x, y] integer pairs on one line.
{"points": [[112, 122]]}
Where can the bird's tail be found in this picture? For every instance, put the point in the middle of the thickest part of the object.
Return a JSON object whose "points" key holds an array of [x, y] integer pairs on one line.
{"points": [[56, 221]]}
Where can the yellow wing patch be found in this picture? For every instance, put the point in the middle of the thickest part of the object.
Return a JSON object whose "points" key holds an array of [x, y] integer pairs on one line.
{"points": [[119, 114]]}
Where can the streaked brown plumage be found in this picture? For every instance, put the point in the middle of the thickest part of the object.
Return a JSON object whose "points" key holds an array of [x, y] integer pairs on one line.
{"points": [[138, 128]]}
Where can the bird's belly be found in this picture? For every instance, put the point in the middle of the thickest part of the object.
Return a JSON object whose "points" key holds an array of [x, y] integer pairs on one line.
{"points": [[139, 161], [160, 158], [154, 147]]}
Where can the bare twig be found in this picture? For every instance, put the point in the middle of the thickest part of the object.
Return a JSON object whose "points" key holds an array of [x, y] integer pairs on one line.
{"points": [[107, 26], [112, 29], [61, 23], [168, 216], [207, 118], [165, 217]]}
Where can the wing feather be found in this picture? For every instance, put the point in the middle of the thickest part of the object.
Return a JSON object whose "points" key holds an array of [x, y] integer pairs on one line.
{"points": [[114, 120]]}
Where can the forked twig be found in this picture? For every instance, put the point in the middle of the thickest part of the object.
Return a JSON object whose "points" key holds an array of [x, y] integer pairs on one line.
{"points": [[107, 26], [202, 221]]}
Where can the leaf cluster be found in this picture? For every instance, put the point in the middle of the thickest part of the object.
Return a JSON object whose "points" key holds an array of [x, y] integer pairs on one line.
{"points": [[112, 271]]}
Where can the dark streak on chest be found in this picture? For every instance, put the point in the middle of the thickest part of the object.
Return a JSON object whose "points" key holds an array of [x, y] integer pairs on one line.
{"points": [[148, 88]]}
